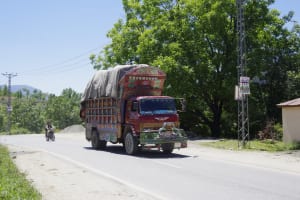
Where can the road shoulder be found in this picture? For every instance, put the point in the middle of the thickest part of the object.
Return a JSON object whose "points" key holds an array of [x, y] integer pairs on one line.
{"points": [[286, 162], [43, 170]]}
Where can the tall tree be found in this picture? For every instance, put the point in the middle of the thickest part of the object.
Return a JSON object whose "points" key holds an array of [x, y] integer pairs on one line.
{"points": [[195, 41], [273, 54]]}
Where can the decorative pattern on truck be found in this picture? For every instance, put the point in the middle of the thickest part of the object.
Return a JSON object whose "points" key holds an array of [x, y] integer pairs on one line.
{"points": [[102, 114], [102, 111], [153, 82], [148, 70]]}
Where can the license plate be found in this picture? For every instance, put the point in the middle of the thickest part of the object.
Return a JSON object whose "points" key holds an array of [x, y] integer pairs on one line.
{"points": [[167, 133], [177, 145]]}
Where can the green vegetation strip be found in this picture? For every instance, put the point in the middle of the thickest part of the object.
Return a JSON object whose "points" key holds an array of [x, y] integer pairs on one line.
{"points": [[256, 145], [13, 184]]}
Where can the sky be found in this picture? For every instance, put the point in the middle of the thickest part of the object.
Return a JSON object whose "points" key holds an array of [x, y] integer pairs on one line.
{"points": [[47, 43]]}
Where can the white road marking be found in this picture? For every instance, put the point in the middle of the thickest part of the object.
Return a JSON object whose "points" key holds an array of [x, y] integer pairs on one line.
{"points": [[168, 164]]}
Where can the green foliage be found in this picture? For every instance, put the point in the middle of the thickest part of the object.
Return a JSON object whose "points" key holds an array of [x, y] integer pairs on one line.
{"points": [[31, 111], [293, 84], [27, 114], [4, 91], [1, 122], [21, 130], [272, 146], [63, 110], [13, 184], [272, 52], [278, 130]]}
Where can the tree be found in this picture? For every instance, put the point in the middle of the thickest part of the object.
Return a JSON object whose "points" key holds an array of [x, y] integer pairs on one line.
{"points": [[2, 117], [63, 110], [273, 52], [195, 41], [27, 114], [30, 112], [4, 90]]}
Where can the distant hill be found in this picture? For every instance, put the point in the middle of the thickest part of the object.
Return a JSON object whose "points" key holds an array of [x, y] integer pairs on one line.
{"points": [[15, 88]]}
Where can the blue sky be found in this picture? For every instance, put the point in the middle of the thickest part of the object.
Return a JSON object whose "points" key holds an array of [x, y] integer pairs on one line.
{"points": [[48, 43]]}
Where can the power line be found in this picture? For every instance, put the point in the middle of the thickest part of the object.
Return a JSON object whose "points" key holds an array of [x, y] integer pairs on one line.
{"points": [[9, 107], [60, 65], [66, 67]]}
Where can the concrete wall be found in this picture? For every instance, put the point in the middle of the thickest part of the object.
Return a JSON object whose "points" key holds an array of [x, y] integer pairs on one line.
{"points": [[291, 124]]}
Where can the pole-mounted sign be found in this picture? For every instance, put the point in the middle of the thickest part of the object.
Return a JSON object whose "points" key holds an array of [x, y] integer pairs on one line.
{"points": [[244, 85], [242, 89]]}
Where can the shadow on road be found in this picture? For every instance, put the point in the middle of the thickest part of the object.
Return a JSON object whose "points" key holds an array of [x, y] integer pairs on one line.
{"points": [[149, 154]]}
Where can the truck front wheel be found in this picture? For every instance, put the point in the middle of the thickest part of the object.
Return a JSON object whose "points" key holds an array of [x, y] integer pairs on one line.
{"points": [[130, 144], [167, 148]]}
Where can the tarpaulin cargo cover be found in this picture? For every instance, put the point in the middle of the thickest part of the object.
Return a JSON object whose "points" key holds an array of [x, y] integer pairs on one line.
{"points": [[105, 83]]}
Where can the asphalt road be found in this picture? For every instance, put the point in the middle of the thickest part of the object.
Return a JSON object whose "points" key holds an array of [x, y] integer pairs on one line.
{"points": [[181, 175]]}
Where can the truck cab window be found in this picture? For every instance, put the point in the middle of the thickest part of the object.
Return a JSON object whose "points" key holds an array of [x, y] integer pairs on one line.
{"points": [[157, 106]]}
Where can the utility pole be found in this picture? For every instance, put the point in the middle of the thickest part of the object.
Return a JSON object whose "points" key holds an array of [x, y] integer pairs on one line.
{"points": [[9, 107], [243, 89]]}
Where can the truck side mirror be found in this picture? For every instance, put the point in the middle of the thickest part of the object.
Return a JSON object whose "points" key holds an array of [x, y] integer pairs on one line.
{"points": [[135, 106], [181, 104]]}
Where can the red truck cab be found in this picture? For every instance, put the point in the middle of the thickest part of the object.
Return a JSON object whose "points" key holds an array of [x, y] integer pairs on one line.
{"points": [[155, 121]]}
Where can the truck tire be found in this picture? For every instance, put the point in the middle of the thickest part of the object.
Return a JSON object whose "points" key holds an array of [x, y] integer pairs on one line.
{"points": [[167, 148], [130, 144], [102, 144], [96, 142]]}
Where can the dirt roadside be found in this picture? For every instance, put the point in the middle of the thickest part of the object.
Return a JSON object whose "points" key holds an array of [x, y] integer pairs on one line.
{"points": [[75, 182], [56, 178]]}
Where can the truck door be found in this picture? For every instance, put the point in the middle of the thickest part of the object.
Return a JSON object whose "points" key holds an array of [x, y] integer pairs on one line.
{"points": [[131, 112]]}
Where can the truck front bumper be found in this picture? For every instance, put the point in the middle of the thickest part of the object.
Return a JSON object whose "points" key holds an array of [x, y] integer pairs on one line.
{"points": [[156, 138]]}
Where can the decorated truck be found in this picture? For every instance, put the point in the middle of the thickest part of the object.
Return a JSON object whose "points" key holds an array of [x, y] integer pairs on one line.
{"points": [[125, 105]]}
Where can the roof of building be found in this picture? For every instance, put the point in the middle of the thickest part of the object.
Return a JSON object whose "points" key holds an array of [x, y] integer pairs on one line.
{"points": [[291, 103]]}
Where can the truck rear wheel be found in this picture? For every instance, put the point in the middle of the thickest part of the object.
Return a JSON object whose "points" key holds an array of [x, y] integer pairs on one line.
{"points": [[96, 142], [130, 144], [167, 148]]}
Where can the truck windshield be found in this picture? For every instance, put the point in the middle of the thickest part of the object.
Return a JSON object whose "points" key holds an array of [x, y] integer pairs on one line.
{"points": [[157, 106]]}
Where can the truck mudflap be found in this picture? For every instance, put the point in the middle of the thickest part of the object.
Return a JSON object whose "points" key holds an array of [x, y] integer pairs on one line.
{"points": [[157, 137]]}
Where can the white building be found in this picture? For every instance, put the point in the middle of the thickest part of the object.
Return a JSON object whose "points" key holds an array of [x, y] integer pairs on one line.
{"points": [[291, 120]]}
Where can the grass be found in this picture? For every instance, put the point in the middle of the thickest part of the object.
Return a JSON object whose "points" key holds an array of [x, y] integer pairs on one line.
{"points": [[257, 145], [13, 184]]}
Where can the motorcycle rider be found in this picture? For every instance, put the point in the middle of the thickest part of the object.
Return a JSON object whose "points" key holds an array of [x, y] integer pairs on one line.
{"points": [[49, 128]]}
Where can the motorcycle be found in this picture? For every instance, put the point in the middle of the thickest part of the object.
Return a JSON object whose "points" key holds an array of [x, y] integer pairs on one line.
{"points": [[50, 135]]}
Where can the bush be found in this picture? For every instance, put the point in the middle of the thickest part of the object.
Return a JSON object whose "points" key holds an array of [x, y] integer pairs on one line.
{"points": [[278, 131], [13, 184], [16, 131], [271, 131]]}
